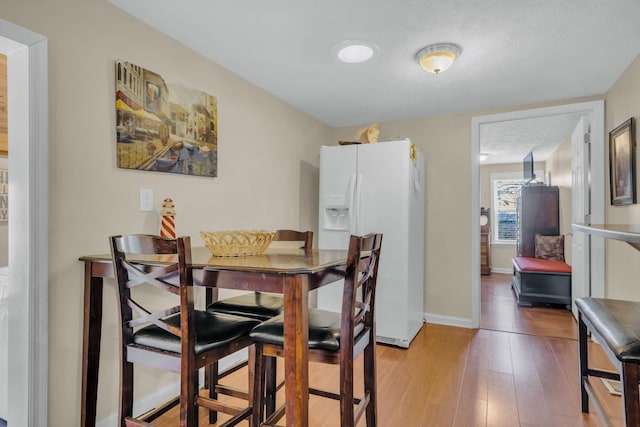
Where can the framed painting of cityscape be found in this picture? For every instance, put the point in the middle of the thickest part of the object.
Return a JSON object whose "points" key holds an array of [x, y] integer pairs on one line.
{"points": [[164, 127]]}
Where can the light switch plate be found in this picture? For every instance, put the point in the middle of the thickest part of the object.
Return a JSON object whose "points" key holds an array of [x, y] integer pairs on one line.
{"points": [[146, 200]]}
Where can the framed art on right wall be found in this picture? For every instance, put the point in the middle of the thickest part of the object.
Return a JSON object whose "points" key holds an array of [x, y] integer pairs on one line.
{"points": [[622, 164]]}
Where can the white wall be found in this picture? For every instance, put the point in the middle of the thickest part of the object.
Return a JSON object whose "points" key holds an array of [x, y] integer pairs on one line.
{"points": [[4, 226], [558, 165], [4, 348], [3, 313]]}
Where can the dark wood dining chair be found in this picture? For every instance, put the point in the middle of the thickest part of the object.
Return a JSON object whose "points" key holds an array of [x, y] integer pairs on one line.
{"points": [[261, 306], [179, 338], [334, 338]]}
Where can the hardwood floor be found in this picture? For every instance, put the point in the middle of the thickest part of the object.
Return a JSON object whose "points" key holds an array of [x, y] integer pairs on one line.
{"points": [[519, 369], [500, 312]]}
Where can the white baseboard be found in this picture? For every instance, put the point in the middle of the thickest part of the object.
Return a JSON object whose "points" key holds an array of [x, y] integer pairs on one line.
{"points": [[439, 319], [164, 394], [502, 270]]}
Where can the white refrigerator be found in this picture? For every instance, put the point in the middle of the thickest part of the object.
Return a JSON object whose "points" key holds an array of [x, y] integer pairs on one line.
{"points": [[367, 188]]}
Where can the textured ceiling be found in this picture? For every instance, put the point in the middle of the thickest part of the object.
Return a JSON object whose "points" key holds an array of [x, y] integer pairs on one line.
{"points": [[514, 52], [510, 141]]}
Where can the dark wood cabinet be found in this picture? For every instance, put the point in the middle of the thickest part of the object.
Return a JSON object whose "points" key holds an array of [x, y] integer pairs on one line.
{"points": [[538, 213], [485, 241]]}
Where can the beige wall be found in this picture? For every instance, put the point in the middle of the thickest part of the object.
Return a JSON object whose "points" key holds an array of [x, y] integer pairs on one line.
{"points": [[268, 159], [268, 170], [558, 165], [622, 265]]}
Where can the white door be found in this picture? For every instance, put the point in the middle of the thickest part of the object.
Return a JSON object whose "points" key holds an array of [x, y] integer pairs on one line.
{"points": [[27, 314], [580, 277]]}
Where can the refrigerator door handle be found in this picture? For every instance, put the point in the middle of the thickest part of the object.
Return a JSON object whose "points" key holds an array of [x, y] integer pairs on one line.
{"points": [[416, 179], [357, 206], [352, 202]]}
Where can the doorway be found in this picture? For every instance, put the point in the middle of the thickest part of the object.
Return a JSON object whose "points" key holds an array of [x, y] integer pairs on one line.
{"points": [[27, 297], [595, 112]]}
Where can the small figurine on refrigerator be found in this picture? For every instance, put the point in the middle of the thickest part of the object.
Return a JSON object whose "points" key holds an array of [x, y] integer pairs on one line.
{"points": [[369, 134]]}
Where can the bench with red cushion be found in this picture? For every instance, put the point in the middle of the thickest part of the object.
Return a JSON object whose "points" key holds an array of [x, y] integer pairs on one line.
{"points": [[538, 280], [542, 265]]}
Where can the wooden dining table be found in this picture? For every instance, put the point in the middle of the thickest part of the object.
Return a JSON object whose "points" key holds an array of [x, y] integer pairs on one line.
{"points": [[290, 272]]}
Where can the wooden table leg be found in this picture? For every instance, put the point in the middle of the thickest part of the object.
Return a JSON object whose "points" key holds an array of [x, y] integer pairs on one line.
{"points": [[92, 329], [296, 341]]}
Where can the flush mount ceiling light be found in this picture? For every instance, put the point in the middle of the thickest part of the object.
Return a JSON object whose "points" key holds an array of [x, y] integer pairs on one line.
{"points": [[437, 58], [354, 51]]}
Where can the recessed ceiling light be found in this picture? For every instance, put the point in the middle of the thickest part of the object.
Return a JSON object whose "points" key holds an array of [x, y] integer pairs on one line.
{"points": [[354, 51]]}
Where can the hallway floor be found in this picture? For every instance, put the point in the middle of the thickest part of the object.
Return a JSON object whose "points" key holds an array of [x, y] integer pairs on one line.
{"points": [[500, 312]]}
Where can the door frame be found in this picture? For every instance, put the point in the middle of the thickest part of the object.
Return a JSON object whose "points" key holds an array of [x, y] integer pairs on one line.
{"points": [[597, 180], [27, 100]]}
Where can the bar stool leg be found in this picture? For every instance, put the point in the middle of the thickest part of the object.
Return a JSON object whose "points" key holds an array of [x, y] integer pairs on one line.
{"points": [[257, 399], [211, 380], [270, 385], [583, 362], [630, 378]]}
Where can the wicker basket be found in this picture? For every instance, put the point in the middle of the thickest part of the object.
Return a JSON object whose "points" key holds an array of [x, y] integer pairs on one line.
{"points": [[237, 242]]}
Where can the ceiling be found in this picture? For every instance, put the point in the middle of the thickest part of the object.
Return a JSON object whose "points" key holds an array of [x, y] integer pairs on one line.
{"points": [[509, 141], [513, 52]]}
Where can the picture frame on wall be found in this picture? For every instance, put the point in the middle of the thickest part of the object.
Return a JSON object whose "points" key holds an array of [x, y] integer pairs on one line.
{"points": [[162, 126], [622, 164]]}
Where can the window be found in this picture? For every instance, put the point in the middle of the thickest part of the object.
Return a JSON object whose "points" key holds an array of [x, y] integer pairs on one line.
{"points": [[504, 188]]}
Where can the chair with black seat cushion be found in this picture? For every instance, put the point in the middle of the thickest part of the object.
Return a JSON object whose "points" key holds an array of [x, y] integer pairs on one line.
{"points": [[261, 306], [334, 338], [615, 325], [179, 338]]}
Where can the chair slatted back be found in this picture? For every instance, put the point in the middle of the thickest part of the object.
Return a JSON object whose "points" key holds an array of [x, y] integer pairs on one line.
{"points": [[154, 262], [306, 237], [358, 300], [166, 270]]}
